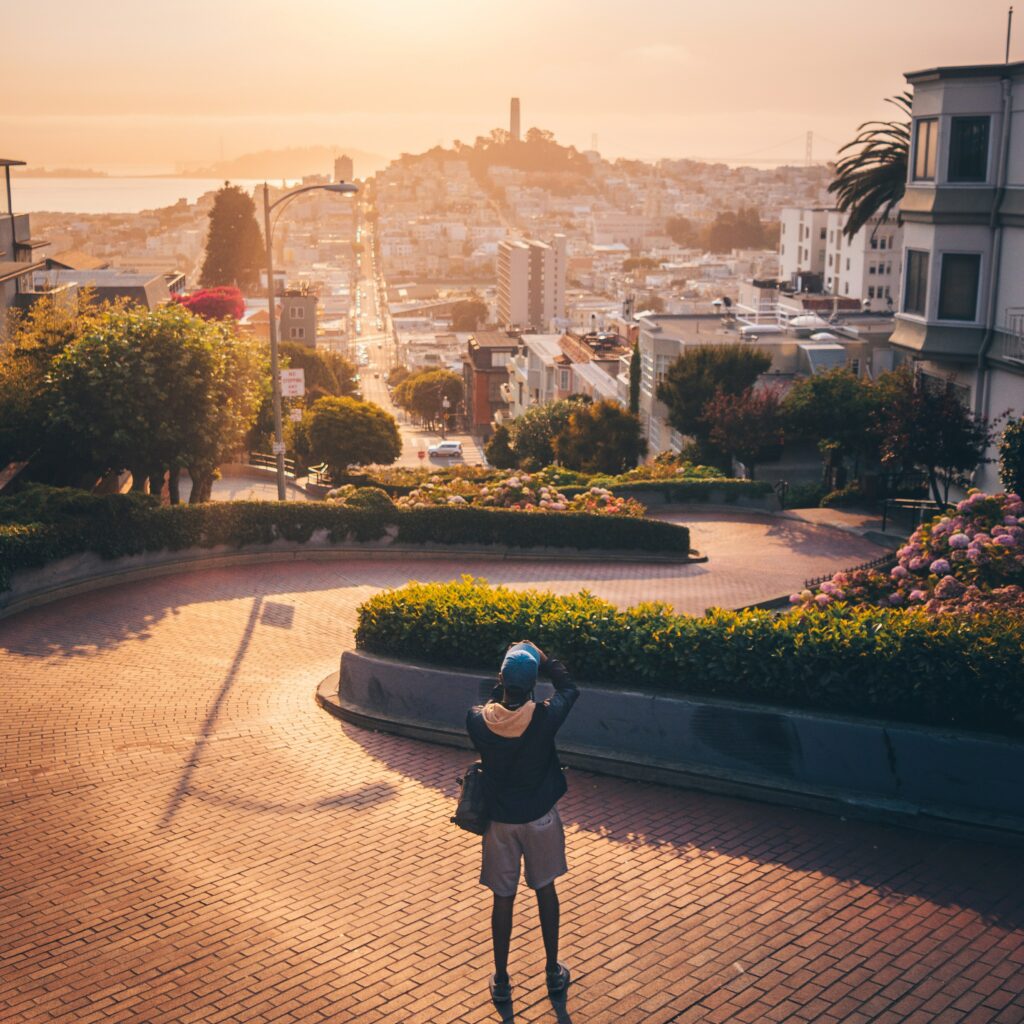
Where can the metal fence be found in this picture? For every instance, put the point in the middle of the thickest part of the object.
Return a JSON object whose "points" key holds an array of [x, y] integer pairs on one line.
{"points": [[886, 561]]}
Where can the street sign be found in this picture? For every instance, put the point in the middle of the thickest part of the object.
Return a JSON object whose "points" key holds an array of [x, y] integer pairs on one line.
{"points": [[293, 383], [278, 448], [295, 415]]}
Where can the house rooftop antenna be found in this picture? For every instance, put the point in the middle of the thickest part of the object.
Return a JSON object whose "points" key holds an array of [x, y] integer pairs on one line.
{"points": [[1009, 30]]}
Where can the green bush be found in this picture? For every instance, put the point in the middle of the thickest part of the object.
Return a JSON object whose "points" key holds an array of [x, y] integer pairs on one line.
{"points": [[903, 665], [722, 489], [373, 499], [844, 497], [51, 523]]}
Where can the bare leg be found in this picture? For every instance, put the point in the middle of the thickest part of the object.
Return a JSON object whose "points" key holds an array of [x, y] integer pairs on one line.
{"points": [[547, 905], [501, 934]]}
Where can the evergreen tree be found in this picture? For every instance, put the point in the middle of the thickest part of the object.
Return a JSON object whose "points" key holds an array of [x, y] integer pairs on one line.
{"points": [[601, 438], [234, 245]]}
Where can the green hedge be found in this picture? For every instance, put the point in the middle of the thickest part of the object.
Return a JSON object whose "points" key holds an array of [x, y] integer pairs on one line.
{"points": [[909, 666], [725, 489], [119, 525]]}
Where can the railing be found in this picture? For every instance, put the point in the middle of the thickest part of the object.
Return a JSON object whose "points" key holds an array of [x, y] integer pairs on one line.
{"points": [[916, 505], [1012, 343], [264, 461], [886, 561]]}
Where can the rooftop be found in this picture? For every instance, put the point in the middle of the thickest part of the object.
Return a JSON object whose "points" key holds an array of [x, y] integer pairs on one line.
{"points": [[966, 71]]}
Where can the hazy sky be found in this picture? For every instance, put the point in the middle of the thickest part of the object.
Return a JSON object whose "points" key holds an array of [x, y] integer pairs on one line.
{"points": [[137, 83]]}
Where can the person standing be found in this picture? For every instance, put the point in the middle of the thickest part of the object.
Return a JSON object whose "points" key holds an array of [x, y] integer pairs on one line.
{"points": [[523, 782]]}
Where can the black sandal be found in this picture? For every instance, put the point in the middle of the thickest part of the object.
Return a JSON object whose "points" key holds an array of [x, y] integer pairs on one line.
{"points": [[501, 991], [558, 980]]}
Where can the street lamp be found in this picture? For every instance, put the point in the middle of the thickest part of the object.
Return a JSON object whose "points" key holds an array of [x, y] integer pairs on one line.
{"points": [[275, 379], [445, 406]]}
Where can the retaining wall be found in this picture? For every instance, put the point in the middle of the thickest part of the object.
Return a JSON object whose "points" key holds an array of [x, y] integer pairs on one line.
{"points": [[957, 781]]}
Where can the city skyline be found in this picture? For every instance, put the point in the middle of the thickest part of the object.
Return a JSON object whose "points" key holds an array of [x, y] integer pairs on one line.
{"points": [[693, 81]]}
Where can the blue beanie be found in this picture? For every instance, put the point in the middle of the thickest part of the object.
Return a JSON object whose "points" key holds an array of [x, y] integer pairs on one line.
{"points": [[519, 669]]}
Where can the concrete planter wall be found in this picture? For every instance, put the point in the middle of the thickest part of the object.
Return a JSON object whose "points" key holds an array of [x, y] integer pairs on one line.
{"points": [[969, 782]]}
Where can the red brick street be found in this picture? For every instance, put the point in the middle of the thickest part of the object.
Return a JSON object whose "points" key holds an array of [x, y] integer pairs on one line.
{"points": [[187, 837]]}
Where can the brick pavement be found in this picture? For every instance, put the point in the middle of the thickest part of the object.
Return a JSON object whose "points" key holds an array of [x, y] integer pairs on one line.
{"points": [[186, 837]]}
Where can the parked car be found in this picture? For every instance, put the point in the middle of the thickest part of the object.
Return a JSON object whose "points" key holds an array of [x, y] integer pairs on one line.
{"points": [[445, 449]]}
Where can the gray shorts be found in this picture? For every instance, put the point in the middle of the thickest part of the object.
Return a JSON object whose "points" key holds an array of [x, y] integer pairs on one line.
{"points": [[540, 843]]}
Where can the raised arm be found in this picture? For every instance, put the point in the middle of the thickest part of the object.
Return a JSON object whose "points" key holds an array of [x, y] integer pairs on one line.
{"points": [[566, 692]]}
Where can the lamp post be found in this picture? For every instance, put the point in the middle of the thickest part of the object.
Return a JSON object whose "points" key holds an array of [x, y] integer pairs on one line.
{"points": [[275, 377], [445, 406]]}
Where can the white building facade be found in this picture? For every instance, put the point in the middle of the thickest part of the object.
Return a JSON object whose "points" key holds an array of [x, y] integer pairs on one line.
{"points": [[961, 304], [531, 283]]}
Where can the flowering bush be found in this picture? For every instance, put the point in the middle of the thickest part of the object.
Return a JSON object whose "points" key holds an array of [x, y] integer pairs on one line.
{"points": [[969, 558], [523, 492]]}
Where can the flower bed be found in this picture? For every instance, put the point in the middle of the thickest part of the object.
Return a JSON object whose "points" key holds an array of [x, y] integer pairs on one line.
{"points": [[904, 665], [521, 492], [970, 557]]}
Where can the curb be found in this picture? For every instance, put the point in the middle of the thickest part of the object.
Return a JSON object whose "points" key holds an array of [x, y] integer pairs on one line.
{"points": [[718, 779], [114, 573]]}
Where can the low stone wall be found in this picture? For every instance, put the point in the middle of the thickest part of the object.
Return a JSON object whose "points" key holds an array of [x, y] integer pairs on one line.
{"points": [[913, 775]]}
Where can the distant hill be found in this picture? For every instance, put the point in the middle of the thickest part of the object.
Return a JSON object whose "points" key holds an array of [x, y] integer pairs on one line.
{"points": [[58, 172], [274, 164]]}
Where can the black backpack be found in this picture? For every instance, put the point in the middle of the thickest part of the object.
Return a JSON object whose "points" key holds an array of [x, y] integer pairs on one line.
{"points": [[471, 813]]}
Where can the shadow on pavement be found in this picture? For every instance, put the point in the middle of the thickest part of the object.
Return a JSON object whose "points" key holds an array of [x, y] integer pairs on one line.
{"points": [[896, 862]]}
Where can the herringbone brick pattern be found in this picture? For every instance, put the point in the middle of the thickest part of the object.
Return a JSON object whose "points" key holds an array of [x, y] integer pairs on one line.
{"points": [[186, 837]]}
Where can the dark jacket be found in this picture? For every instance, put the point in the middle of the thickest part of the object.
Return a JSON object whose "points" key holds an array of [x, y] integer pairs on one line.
{"points": [[523, 779]]}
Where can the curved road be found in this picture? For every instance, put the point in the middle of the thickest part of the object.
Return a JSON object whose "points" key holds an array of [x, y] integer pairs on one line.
{"points": [[186, 837]]}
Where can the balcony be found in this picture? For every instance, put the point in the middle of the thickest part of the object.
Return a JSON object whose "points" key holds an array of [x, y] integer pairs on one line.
{"points": [[1009, 343]]}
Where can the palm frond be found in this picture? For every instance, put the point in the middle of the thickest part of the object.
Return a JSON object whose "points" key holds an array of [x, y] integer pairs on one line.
{"points": [[871, 173]]}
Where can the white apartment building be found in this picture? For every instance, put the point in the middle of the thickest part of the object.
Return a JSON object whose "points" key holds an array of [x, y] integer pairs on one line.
{"points": [[613, 226], [961, 305], [803, 240], [531, 282], [866, 267], [538, 373]]}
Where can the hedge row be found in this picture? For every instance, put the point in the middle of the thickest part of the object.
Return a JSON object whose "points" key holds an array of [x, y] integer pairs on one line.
{"points": [[122, 525], [909, 666]]}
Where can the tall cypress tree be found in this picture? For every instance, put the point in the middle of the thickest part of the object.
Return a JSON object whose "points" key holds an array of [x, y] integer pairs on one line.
{"points": [[234, 245]]}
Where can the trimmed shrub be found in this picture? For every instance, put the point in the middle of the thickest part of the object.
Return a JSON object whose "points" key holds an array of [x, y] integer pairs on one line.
{"points": [[119, 525], [903, 665]]}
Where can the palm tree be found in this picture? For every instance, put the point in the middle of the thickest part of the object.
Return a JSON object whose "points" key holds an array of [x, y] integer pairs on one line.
{"points": [[872, 175]]}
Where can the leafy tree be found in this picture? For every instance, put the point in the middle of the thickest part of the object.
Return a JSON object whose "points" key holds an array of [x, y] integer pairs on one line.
{"points": [[151, 391], [737, 229], [234, 244], [928, 428], [601, 438], [397, 374], [345, 432], [1011, 457], [635, 372], [423, 393], [468, 314], [682, 231], [499, 451], [534, 433], [836, 410], [748, 426], [639, 263], [32, 341], [326, 373], [652, 302], [215, 303], [699, 374], [871, 175]]}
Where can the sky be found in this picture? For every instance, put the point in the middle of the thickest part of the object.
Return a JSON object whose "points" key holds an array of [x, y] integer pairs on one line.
{"points": [[136, 85]]}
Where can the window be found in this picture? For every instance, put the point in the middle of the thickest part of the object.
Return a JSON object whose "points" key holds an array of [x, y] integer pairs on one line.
{"points": [[881, 243], [872, 269], [297, 333], [563, 380], [874, 243], [871, 292], [958, 287], [823, 234], [916, 293], [847, 262], [297, 312], [926, 131], [499, 359], [782, 250], [968, 149]]}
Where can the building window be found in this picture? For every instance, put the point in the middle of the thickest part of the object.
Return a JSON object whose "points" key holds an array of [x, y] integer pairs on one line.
{"points": [[872, 269], [871, 291], [958, 287], [823, 234], [874, 243], [968, 149], [926, 132], [297, 333], [847, 262], [297, 312], [916, 293], [782, 250]]}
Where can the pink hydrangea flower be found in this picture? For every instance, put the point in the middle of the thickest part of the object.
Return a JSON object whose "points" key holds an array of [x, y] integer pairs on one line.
{"points": [[896, 599], [918, 595], [899, 573], [940, 567], [959, 540]]}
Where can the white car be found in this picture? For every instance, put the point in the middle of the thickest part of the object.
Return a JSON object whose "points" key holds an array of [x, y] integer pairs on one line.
{"points": [[445, 449]]}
